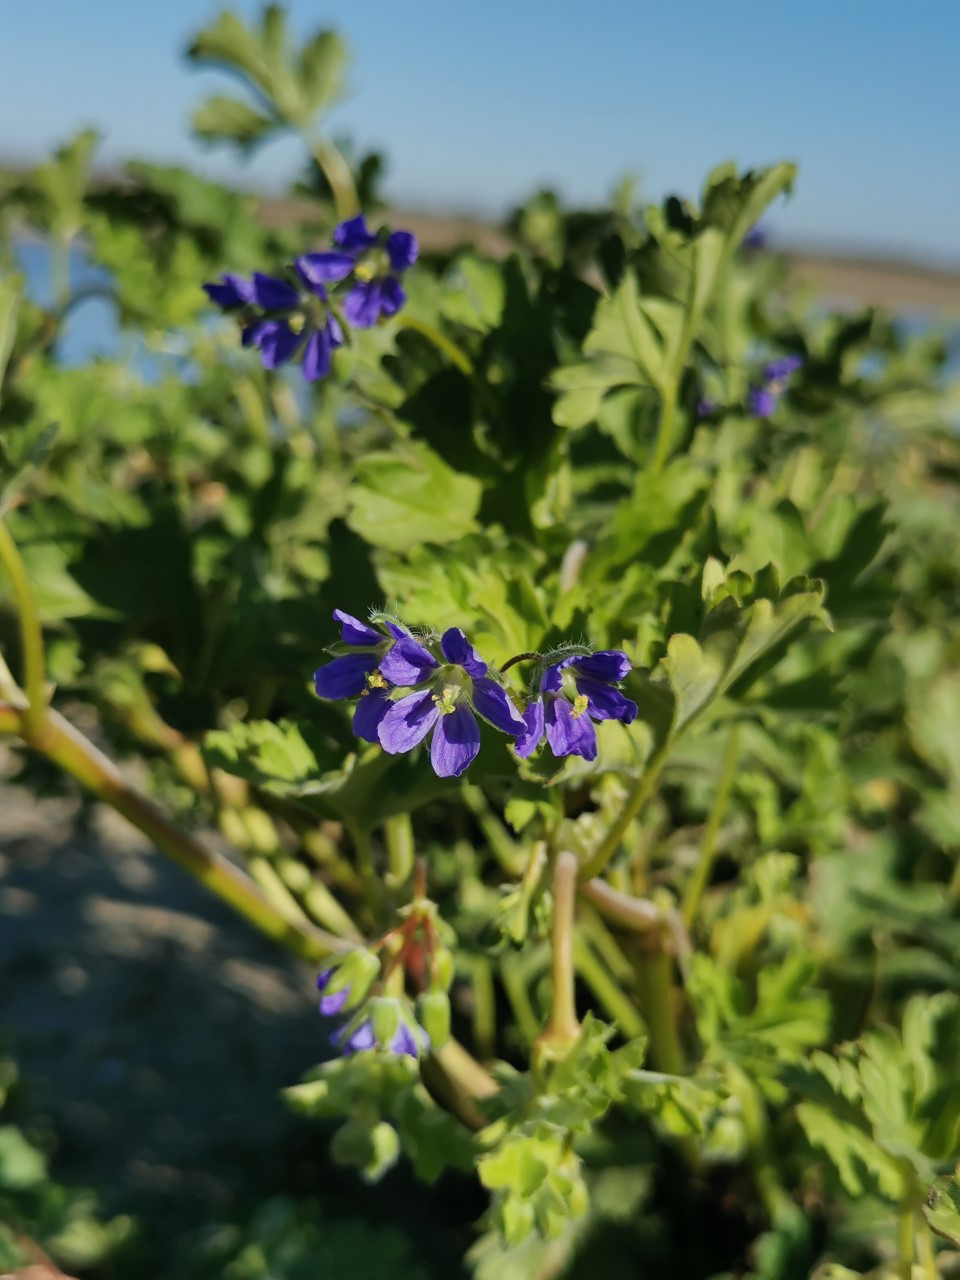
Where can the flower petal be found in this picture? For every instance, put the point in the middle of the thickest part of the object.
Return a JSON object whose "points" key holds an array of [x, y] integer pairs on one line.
{"points": [[344, 677], [492, 702], [334, 1003], [457, 649], [231, 291], [316, 356], [609, 664], [761, 403], [272, 294], [361, 306], [372, 707], [402, 250], [276, 341], [528, 741], [353, 235], [353, 631], [407, 723], [456, 741], [406, 662], [782, 367], [361, 1038], [403, 1041], [567, 734], [392, 296], [605, 702], [552, 681], [318, 269]]}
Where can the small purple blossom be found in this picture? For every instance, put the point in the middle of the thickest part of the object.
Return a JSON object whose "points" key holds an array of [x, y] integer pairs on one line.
{"points": [[446, 709], [756, 238], [367, 669], [362, 1037], [762, 399], [575, 692], [333, 1002], [376, 264]]}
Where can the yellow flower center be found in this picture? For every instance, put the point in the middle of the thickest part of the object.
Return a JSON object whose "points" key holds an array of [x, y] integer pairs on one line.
{"points": [[376, 681], [364, 271], [446, 701], [579, 705]]}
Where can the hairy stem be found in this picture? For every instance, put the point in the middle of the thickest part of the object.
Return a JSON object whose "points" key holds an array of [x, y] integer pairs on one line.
{"points": [[701, 875], [562, 1024], [31, 634]]}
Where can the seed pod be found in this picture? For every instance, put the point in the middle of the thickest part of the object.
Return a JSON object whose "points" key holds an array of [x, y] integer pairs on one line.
{"points": [[385, 1019], [433, 1014]]}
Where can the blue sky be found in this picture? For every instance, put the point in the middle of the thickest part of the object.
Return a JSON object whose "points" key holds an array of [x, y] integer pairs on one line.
{"points": [[477, 104]]}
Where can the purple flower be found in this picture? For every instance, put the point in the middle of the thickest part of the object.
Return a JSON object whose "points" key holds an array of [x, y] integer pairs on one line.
{"points": [[447, 707], [763, 398], [375, 263], [756, 238], [362, 1037], [354, 672], [279, 322], [333, 1002], [575, 692]]}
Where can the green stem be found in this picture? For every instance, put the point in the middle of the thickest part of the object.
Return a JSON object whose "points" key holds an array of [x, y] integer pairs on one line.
{"points": [[484, 1007], [502, 846], [954, 889], [460, 1075], [398, 833], [446, 346], [668, 407], [337, 172], [31, 634], [607, 990], [701, 875], [563, 1025], [654, 967], [906, 1236], [635, 802], [926, 1252]]}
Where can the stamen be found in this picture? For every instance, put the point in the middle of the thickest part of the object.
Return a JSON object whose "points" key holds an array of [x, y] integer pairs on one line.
{"points": [[363, 271], [376, 681], [446, 701], [579, 705]]}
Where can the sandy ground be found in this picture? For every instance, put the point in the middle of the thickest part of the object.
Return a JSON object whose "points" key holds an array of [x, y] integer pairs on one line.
{"points": [[154, 1028]]}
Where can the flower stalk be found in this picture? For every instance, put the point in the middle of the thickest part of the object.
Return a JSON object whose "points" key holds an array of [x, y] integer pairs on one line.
{"points": [[563, 1026], [31, 635]]}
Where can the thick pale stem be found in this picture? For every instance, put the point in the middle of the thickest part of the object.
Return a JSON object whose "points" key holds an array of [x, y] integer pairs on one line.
{"points": [[906, 1237], [701, 875], [563, 1023], [31, 633], [398, 834], [337, 172], [636, 914], [654, 964]]}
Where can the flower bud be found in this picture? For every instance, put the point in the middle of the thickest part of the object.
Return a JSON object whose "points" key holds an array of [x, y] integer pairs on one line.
{"points": [[433, 1014], [441, 975], [384, 1015], [358, 970]]}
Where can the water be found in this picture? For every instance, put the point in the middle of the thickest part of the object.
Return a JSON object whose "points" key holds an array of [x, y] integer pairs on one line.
{"points": [[92, 332]]}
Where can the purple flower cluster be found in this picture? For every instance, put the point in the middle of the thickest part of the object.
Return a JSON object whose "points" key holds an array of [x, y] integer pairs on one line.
{"points": [[575, 692], [301, 316], [360, 1036], [411, 693], [763, 397]]}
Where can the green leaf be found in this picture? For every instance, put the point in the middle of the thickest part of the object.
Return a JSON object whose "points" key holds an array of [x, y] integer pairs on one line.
{"points": [[409, 495], [21, 1164], [233, 120], [734, 204], [732, 639], [9, 302], [270, 755], [323, 69], [942, 1208], [933, 721]]}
